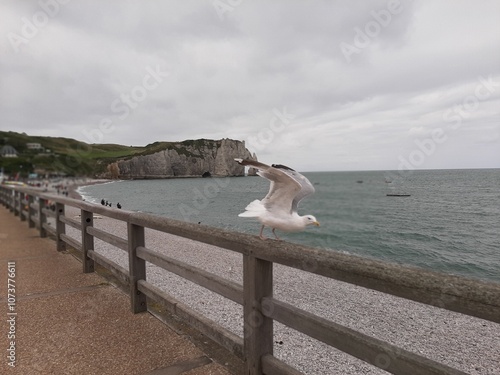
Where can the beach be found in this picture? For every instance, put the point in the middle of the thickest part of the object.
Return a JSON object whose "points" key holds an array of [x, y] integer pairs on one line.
{"points": [[466, 343]]}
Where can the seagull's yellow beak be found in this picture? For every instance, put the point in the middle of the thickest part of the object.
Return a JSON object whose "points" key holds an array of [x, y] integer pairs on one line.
{"points": [[316, 223]]}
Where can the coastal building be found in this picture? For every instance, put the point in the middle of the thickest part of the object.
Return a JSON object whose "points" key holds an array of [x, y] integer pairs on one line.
{"points": [[8, 151], [34, 146]]}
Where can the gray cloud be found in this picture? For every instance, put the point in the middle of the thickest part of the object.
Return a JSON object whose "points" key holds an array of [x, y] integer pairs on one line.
{"points": [[364, 81]]}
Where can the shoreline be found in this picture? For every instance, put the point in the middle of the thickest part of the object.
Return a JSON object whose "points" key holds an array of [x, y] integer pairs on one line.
{"points": [[72, 189]]}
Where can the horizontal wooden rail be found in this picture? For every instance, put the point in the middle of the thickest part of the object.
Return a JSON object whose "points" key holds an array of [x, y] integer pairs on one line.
{"points": [[215, 283], [75, 244], [273, 366], [109, 238], [71, 222], [49, 228], [211, 329], [456, 293], [117, 270], [357, 344], [48, 212]]}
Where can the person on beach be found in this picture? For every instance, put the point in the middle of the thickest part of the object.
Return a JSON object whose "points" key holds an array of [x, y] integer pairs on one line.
{"points": [[102, 201], [118, 205]]}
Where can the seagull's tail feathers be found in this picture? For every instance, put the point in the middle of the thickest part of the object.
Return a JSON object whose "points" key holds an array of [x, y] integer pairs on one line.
{"points": [[254, 209]]}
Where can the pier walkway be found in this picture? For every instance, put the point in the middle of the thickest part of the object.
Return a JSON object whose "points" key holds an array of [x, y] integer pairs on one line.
{"points": [[63, 321]]}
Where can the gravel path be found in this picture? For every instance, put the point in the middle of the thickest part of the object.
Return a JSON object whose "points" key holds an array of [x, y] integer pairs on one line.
{"points": [[466, 343]]}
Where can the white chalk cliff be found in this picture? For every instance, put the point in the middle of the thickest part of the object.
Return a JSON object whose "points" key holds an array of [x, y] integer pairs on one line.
{"points": [[192, 158]]}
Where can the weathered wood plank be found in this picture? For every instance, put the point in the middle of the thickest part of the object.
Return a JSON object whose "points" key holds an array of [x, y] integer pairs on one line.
{"points": [[48, 212], [21, 206], [215, 283], [119, 242], [115, 268], [31, 212], [42, 219], [87, 221], [468, 296], [48, 228], [369, 349], [219, 334], [455, 293], [60, 227], [137, 267], [257, 284], [71, 241], [71, 222], [273, 366]]}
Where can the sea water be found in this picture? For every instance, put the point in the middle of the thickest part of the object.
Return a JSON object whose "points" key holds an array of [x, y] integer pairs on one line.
{"points": [[449, 222]]}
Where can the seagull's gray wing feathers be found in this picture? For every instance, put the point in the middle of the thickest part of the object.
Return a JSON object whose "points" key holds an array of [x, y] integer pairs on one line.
{"points": [[287, 189], [306, 188]]}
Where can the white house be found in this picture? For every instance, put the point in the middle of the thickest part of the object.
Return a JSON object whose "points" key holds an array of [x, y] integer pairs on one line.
{"points": [[34, 146]]}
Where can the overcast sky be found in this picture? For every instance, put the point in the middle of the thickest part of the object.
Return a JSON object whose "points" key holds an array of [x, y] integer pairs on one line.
{"points": [[316, 85]]}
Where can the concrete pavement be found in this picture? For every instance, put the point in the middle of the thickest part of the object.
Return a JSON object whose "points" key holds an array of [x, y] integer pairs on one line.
{"points": [[57, 320]]}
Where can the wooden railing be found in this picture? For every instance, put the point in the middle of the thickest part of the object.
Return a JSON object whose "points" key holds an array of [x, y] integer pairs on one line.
{"points": [[261, 309]]}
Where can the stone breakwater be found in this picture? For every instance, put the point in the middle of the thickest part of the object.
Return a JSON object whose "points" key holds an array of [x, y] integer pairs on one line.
{"points": [[194, 158], [466, 343]]}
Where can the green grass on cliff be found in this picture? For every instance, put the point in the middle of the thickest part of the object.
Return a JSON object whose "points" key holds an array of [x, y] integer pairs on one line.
{"points": [[75, 158], [60, 155]]}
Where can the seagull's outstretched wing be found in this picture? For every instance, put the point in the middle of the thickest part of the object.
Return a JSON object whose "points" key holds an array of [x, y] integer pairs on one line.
{"points": [[287, 189], [306, 188]]}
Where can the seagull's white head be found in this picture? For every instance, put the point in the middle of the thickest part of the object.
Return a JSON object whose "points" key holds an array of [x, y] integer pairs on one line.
{"points": [[310, 220]]}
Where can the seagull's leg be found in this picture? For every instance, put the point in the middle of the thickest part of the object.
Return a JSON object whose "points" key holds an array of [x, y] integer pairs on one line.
{"points": [[275, 235], [260, 234]]}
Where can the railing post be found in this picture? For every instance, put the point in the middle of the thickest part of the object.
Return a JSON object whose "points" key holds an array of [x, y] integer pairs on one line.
{"points": [[137, 267], [87, 220], [31, 212], [42, 219], [60, 227], [12, 201], [15, 204], [5, 197], [21, 205], [258, 329]]}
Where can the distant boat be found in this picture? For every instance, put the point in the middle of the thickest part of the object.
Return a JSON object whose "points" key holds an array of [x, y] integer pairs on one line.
{"points": [[398, 195], [359, 181]]}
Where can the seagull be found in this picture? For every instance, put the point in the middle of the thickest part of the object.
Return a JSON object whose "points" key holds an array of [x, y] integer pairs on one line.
{"points": [[278, 209]]}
